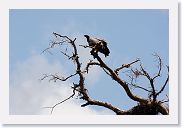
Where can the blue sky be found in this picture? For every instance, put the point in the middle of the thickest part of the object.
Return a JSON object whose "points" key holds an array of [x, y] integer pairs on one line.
{"points": [[130, 34]]}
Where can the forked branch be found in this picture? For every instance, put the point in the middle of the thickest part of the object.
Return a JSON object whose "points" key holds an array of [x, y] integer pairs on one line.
{"points": [[145, 106]]}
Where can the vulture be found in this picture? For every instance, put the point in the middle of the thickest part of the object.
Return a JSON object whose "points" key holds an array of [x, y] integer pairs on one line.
{"points": [[98, 45]]}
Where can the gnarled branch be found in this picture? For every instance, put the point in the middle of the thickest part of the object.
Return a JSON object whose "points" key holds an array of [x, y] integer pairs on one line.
{"points": [[126, 66], [145, 106]]}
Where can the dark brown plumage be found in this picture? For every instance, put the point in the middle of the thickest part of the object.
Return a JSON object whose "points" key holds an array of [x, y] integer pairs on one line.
{"points": [[99, 45]]}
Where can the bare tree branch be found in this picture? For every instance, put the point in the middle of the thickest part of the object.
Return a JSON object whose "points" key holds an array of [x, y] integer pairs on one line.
{"points": [[137, 86], [121, 82], [69, 57], [104, 104], [91, 63], [108, 73], [164, 83], [159, 65], [86, 46], [144, 72], [58, 35], [56, 77], [126, 66], [52, 108], [164, 101], [145, 106], [71, 96]]}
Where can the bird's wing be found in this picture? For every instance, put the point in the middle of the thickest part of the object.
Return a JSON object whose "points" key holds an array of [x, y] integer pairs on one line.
{"points": [[100, 39], [93, 41], [102, 47], [103, 41]]}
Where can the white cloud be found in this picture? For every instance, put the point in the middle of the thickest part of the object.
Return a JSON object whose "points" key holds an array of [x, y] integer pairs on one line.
{"points": [[28, 95]]}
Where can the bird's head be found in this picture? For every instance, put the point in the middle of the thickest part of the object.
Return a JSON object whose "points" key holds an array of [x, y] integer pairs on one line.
{"points": [[86, 36]]}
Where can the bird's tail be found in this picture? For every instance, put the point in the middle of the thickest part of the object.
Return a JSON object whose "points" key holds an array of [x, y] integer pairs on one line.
{"points": [[104, 50]]}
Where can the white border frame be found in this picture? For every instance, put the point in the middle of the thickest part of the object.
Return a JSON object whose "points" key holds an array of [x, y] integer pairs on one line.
{"points": [[172, 5]]}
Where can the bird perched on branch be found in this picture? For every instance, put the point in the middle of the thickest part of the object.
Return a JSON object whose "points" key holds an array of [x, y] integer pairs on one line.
{"points": [[98, 45]]}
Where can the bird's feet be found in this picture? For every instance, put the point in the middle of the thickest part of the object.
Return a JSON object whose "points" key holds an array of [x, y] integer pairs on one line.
{"points": [[94, 54]]}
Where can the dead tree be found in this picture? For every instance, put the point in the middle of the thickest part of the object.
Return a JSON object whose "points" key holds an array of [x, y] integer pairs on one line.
{"points": [[145, 106]]}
